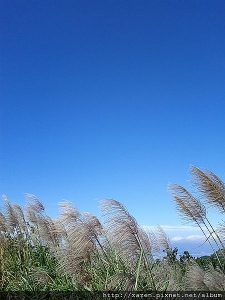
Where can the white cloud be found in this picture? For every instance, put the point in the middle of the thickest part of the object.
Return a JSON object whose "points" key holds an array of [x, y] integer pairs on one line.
{"points": [[202, 253], [195, 237], [179, 233], [190, 238], [186, 237], [177, 238]]}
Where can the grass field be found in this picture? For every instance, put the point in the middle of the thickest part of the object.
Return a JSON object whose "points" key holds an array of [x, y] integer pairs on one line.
{"points": [[77, 253]]}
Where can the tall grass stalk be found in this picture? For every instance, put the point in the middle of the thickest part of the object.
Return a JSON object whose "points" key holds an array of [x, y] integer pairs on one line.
{"points": [[138, 270]]}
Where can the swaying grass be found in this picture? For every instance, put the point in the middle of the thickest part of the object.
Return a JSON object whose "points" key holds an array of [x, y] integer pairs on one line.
{"points": [[77, 253]]}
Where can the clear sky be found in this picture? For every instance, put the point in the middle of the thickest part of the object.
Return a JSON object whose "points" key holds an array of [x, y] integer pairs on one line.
{"points": [[110, 99]]}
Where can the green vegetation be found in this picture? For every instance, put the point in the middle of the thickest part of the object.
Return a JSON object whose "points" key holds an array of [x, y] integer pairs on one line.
{"points": [[78, 253]]}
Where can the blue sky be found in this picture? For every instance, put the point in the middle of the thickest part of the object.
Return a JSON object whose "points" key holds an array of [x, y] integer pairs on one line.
{"points": [[110, 99]]}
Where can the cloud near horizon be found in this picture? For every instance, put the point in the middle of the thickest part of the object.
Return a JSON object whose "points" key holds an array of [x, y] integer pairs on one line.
{"points": [[192, 238], [185, 237], [180, 233]]}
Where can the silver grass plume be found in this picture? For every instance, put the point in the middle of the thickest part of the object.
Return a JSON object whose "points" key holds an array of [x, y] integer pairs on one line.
{"points": [[164, 273], [31, 215], [163, 240], [48, 231], [210, 187], [214, 279], [34, 210], [195, 278], [21, 218], [58, 229], [189, 208], [93, 226], [161, 274], [221, 230], [3, 223], [34, 203], [212, 190], [154, 242], [130, 240], [11, 216], [210, 279], [68, 212], [123, 231], [82, 237], [43, 226]]}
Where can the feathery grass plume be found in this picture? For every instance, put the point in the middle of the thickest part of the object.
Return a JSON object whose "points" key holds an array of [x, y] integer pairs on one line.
{"points": [[95, 231], [82, 237], [68, 213], [195, 278], [161, 273], [154, 242], [163, 240], [58, 229], [44, 229], [175, 282], [21, 218], [123, 230], [191, 209], [35, 203], [221, 230], [34, 210], [109, 272], [167, 273], [93, 225], [47, 231], [32, 225], [214, 279], [77, 249], [126, 236], [11, 216], [3, 223], [210, 187], [212, 190], [31, 215]]}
